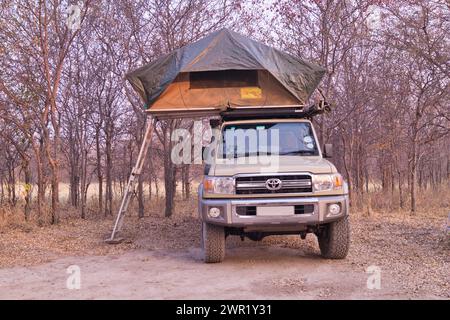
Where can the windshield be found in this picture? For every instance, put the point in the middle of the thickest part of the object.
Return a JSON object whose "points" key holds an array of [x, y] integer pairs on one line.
{"points": [[257, 139]]}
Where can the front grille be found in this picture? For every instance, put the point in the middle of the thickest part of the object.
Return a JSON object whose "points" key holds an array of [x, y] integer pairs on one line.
{"points": [[289, 184], [251, 210]]}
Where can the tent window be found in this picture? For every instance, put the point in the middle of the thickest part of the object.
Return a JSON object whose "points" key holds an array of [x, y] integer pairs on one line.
{"points": [[223, 79]]}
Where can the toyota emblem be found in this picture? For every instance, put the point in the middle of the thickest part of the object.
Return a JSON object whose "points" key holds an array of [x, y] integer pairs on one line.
{"points": [[273, 184]]}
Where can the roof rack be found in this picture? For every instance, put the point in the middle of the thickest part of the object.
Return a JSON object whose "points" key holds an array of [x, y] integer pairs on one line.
{"points": [[246, 113], [279, 113]]}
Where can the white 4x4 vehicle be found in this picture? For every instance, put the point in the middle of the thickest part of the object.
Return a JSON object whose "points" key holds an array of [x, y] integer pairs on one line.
{"points": [[251, 191]]}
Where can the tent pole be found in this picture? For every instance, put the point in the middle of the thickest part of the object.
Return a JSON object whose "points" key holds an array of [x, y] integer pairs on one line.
{"points": [[137, 169]]}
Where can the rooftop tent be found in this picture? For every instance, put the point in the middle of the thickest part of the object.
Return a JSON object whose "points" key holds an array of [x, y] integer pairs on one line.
{"points": [[221, 71], [224, 73]]}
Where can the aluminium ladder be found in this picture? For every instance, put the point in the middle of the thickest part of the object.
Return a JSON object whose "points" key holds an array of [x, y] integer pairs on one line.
{"points": [[129, 190]]}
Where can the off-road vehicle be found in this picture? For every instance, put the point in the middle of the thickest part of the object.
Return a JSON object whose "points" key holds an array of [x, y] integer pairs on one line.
{"points": [[250, 191]]}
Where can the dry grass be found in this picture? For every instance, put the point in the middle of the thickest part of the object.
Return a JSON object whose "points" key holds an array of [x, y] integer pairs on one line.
{"points": [[428, 201], [37, 241], [92, 194]]}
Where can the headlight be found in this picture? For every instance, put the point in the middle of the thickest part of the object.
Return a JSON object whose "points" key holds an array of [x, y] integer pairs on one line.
{"points": [[334, 209], [214, 212], [327, 182], [218, 185]]}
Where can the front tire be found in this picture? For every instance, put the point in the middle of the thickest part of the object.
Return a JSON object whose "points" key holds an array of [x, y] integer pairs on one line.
{"points": [[334, 240], [213, 243]]}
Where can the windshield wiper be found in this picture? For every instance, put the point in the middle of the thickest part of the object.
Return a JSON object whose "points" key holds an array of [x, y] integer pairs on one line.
{"points": [[290, 153], [298, 152], [256, 154]]}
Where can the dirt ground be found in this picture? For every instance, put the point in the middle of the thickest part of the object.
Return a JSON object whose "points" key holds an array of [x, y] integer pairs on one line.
{"points": [[161, 259]]}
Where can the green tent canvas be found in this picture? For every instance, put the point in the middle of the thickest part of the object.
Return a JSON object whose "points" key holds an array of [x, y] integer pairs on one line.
{"points": [[224, 70]]}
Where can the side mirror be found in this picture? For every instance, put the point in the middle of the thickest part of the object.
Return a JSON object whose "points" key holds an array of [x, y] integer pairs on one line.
{"points": [[328, 150], [214, 123]]}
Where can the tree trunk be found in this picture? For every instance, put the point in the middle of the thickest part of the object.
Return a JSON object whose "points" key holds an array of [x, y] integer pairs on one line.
{"points": [[413, 177], [28, 189], [84, 184], [141, 196], [109, 191], [55, 195], [186, 182], [346, 169], [2, 190], [169, 184], [74, 187], [53, 153], [99, 170], [448, 169], [156, 182], [400, 190], [150, 189], [74, 194], [12, 199], [41, 180]]}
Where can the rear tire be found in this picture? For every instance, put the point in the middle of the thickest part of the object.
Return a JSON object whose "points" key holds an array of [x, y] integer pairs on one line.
{"points": [[213, 243], [334, 240]]}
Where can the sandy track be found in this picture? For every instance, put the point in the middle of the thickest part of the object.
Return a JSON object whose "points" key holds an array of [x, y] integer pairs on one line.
{"points": [[270, 273], [161, 260], [248, 273]]}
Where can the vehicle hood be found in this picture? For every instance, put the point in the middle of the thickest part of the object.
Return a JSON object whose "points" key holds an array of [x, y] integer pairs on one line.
{"points": [[279, 164]]}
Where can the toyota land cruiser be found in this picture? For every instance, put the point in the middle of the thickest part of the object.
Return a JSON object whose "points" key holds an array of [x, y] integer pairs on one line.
{"points": [[268, 176]]}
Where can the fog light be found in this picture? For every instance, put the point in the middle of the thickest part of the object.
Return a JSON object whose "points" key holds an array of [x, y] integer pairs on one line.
{"points": [[334, 209], [214, 212]]}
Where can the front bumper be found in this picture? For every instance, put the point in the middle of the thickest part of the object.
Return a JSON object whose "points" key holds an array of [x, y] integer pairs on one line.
{"points": [[230, 217]]}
